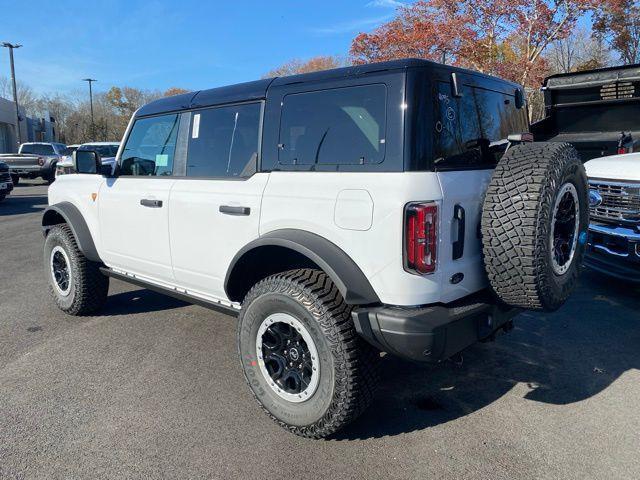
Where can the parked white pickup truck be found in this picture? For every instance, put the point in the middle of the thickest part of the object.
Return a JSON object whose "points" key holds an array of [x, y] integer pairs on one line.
{"points": [[107, 151], [614, 201]]}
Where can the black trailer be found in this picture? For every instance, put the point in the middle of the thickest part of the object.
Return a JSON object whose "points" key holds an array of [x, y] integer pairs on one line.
{"points": [[598, 111]]}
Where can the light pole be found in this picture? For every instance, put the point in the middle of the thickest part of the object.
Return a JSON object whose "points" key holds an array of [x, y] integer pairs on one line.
{"points": [[11, 46], [90, 81]]}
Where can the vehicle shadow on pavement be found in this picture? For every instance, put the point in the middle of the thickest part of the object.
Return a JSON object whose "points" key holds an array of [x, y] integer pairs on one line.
{"points": [[139, 301], [558, 358], [20, 204]]}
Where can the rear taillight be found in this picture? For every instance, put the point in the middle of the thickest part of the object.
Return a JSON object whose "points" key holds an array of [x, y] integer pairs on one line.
{"points": [[420, 237], [625, 143], [623, 150]]}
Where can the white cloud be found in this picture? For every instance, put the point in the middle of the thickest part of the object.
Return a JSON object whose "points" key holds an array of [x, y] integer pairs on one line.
{"points": [[352, 26], [385, 3]]}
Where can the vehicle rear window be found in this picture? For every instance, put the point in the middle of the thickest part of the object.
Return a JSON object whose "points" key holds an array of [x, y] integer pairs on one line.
{"points": [[342, 126], [223, 141], [38, 149], [150, 146], [471, 131]]}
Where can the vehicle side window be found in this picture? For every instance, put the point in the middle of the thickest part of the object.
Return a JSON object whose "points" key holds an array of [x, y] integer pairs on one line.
{"points": [[471, 131], [150, 147], [224, 141], [341, 126]]}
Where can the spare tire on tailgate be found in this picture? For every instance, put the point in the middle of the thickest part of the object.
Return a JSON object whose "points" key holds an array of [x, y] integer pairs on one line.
{"points": [[534, 222]]}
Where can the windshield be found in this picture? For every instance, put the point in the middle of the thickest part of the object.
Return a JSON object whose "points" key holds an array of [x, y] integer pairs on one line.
{"points": [[103, 150], [69, 150]]}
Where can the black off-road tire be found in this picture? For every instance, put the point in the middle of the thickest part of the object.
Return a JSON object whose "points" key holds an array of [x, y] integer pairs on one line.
{"points": [[52, 176], [517, 219], [347, 364], [88, 287]]}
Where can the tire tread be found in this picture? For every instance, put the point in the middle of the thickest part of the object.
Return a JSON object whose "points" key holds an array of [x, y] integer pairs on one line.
{"points": [[355, 361]]}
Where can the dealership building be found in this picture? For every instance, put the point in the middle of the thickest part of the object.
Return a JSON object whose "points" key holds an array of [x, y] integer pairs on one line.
{"points": [[31, 129]]}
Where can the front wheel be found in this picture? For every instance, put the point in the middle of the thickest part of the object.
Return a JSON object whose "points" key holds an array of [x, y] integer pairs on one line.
{"points": [[52, 175], [76, 284], [301, 356]]}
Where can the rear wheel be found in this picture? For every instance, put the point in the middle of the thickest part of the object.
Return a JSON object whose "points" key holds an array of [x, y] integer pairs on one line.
{"points": [[534, 224], [76, 284], [301, 356]]}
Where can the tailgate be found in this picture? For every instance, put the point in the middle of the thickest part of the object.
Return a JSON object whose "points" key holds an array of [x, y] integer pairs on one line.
{"points": [[460, 246], [592, 145], [22, 161]]}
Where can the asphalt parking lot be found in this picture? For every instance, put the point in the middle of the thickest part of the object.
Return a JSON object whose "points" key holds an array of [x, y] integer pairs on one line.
{"points": [[152, 388]]}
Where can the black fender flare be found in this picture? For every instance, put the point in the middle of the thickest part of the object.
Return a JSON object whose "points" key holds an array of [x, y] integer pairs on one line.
{"points": [[72, 217], [343, 271]]}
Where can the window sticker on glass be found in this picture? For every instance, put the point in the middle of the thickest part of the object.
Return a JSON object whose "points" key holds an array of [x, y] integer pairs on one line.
{"points": [[162, 160], [195, 133]]}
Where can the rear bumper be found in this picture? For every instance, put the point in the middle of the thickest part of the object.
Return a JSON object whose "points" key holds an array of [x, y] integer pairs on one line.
{"points": [[614, 250], [432, 333], [30, 170]]}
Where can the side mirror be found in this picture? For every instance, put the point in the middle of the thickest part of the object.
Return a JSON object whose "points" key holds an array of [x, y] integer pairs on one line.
{"points": [[106, 170], [87, 161]]}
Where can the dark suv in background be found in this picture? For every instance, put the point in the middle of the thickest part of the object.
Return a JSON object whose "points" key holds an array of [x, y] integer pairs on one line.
{"points": [[6, 184]]}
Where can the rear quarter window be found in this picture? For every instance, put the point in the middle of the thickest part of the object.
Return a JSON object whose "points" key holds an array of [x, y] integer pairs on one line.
{"points": [[340, 126]]}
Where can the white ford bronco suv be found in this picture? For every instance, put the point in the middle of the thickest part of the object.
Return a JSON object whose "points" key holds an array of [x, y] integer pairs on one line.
{"points": [[390, 207]]}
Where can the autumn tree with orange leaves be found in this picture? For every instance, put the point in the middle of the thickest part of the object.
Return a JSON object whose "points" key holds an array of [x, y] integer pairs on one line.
{"points": [[618, 22], [314, 64], [171, 91], [500, 37]]}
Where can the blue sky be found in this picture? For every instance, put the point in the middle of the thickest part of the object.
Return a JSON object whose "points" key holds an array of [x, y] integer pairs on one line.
{"points": [[159, 44]]}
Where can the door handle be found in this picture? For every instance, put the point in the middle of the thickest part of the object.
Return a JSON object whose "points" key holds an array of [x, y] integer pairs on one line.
{"points": [[232, 210], [458, 245], [147, 202]]}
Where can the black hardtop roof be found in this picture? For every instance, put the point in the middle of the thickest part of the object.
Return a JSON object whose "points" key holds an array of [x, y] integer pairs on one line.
{"points": [[595, 77], [257, 90]]}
